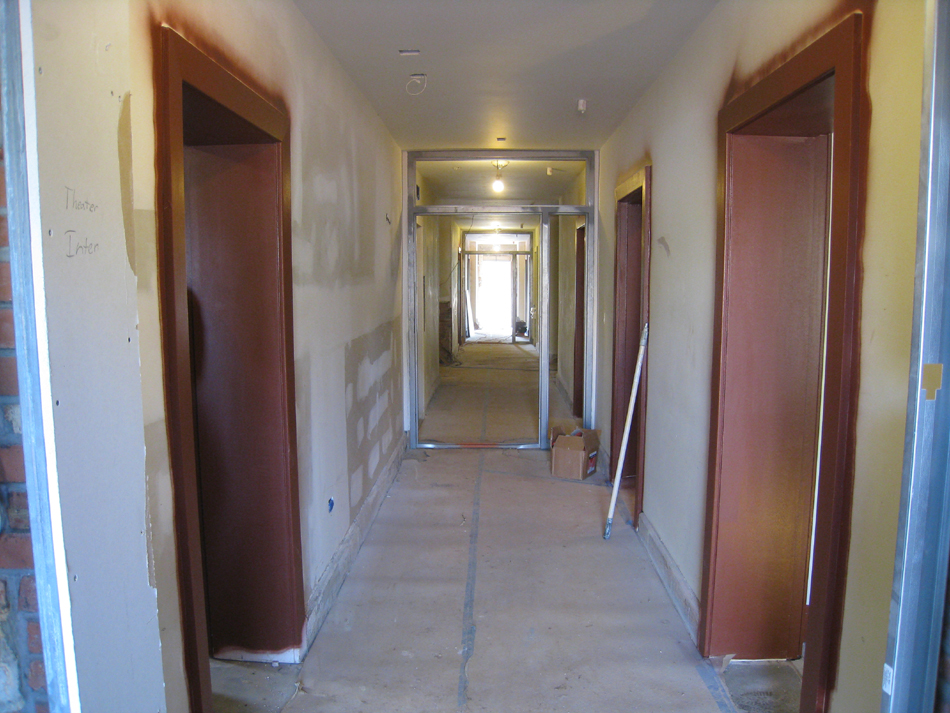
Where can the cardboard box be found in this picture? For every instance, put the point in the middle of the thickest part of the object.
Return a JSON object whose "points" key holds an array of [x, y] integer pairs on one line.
{"points": [[574, 455]]}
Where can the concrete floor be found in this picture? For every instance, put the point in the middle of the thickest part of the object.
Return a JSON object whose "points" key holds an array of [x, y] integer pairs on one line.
{"points": [[485, 585], [241, 687], [764, 686], [489, 396]]}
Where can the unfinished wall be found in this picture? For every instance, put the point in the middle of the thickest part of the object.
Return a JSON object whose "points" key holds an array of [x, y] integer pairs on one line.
{"points": [[566, 276], [95, 429], [96, 148], [428, 277], [554, 288], [566, 296], [674, 125]]}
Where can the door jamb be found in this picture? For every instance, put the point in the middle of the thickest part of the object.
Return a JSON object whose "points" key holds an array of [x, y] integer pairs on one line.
{"points": [[181, 62], [641, 180], [838, 52]]}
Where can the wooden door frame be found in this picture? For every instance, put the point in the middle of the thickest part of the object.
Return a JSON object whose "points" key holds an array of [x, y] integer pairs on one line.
{"points": [[179, 62], [838, 53], [625, 352]]}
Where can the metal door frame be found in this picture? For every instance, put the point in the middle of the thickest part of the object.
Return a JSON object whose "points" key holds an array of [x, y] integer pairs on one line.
{"points": [[918, 605], [546, 212]]}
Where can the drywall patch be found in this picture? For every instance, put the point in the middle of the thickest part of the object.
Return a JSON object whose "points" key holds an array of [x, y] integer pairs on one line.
{"points": [[740, 83], [215, 45], [144, 232], [338, 236], [156, 456], [373, 407], [304, 411], [125, 174]]}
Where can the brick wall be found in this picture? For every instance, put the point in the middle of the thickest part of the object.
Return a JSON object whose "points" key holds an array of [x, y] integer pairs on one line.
{"points": [[22, 675]]}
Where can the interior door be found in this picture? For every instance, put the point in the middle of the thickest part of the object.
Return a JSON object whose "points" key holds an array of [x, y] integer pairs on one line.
{"points": [[777, 226], [246, 471]]}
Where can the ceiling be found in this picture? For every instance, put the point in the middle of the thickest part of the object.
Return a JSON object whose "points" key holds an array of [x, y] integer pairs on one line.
{"points": [[504, 68], [526, 182]]}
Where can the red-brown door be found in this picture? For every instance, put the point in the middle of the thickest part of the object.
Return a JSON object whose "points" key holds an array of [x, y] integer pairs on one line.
{"points": [[244, 464], [777, 228]]}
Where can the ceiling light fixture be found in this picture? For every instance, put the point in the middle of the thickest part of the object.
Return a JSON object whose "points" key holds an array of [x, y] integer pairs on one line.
{"points": [[417, 84], [581, 105], [498, 185]]}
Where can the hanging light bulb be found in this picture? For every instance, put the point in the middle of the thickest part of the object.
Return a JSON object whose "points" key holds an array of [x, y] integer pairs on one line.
{"points": [[498, 185]]}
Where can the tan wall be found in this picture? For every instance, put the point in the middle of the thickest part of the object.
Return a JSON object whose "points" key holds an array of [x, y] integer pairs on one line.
{"points": [[427, 286], [554, 287], [564, 274], [674, 125], [565, 303]]}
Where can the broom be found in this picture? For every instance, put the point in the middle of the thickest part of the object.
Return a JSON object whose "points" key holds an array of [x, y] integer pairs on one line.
{"points": [[626, 430]]}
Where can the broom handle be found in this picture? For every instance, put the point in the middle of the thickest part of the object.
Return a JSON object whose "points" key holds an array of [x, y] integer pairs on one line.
{"points": [[626, 430]]}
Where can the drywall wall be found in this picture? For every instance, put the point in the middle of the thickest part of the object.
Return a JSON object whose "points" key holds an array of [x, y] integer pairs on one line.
{"points": [[554, 288], [674, 127], [566, 276], [427, 306], [96, 458]]}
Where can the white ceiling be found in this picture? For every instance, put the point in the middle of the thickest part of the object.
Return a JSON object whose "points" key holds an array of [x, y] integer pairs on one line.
{"points": [[526, 182], [511, 68]]}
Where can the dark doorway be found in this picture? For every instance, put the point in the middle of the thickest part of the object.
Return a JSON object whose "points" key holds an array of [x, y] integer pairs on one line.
{"points": [[631, 313], [785, 357], [228, 357]]}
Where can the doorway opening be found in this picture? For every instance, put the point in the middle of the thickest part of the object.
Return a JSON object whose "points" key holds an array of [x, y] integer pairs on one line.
{"points": [[494, 316], [631, 313], [491, 297], [228, 362], [785, 358], [498, 295]]}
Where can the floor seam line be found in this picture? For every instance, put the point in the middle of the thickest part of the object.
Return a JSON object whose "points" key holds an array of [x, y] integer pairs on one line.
{"points": [[468, 612]]}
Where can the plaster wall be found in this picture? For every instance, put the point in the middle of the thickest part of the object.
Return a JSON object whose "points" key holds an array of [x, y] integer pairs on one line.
{"points": [[554, 287], [566, 277], [96, 128], [673, 126], [427, 289], [566, 293], [94, 410]]}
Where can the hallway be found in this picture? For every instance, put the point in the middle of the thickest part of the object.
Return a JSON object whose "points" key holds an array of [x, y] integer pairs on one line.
{"points": [[485, 585], [490, 396]]}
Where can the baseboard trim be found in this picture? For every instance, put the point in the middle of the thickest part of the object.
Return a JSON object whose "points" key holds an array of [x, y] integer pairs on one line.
{"points": [[684, 599], [328, 585]]}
